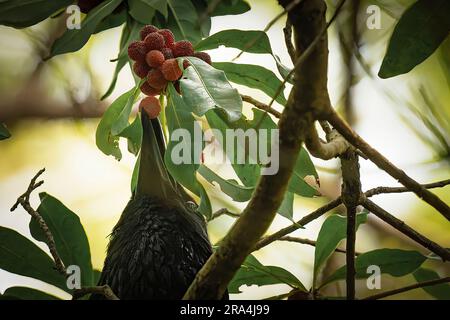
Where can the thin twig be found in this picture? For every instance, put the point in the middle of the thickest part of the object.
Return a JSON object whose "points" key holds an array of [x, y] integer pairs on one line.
{"points": [[310, 243], [384, 190], [223, 211], [251, 43], [383, 163], [408, 288], [104, 290], [300, 60], [406, 230], [24, 201], [261, 105], [287, 30]]}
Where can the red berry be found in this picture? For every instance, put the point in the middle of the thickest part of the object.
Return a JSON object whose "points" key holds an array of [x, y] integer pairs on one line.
{"points": [[141, 69], [154, 41], [182, 48], [203, 56], [146, 30], [168, 36], [167, 52], [171, 70], [151, 106], [156, 79], [137, 51], [154, 58], [149, 90]]}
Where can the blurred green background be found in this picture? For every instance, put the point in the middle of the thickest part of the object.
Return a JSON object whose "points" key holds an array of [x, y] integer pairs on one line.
{"points": [[52, 109]]}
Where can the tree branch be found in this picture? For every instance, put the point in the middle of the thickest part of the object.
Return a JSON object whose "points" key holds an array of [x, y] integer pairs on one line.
{"points": [[24, 201], [351, 193], [386, 165], [406, 230], [105, 290], [310, 243], [261, 105], [384, 190], [212, 280], [408, 288], [336, 146], [223, 211], [287, 31]]}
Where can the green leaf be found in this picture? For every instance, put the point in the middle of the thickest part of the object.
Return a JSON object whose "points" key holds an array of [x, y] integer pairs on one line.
{"points": [[105, 140], [4, 132], [419, 32], [332, 232], [159, 5], [183, 20], [287, 206], [141, 11], [253, 272], [303, 167], [133, 133], [21, 256], [70, 239], [121, 122], [252, 76], [230, 7], [75, 39], [229, 187], [439, 291], [283, 70], [130, 33], [205, 88], [25, 13], [240, 39], [179, 116], [394, 262], [25, 293], [112, 21]]}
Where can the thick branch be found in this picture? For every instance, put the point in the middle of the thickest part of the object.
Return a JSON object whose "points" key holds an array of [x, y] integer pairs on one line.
{"points": [[386, 165], [212, 280], [408, 288], [351, 193], [406, 230], [336, 146]]}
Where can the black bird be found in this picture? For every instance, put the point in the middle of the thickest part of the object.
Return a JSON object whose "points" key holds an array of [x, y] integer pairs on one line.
{"points": [[160, 241]]}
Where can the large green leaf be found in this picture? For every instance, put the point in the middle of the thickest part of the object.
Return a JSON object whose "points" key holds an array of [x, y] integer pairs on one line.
{"points": [[287, 206], [230, 7], [229, 187], [252, 76], [183, 20], [439, 291], [133, 133], [25, 13], [21, 256], [141, 11], [332, 232], [130, 33], [179, 116], [252, 41], [4, 132], [121, 122], [105, 140], [112, 21], [70, 239], [75, 39], [303, 167], [205, 88], [159, 5], [253, 272], [394, 262], [24, 293], [419, 32]]}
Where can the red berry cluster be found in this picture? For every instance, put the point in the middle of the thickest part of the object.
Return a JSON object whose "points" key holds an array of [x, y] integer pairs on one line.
{"points": [[155, 58]]}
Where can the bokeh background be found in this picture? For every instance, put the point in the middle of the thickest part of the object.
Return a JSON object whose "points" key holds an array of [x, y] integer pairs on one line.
{"points": [[52, 110]]}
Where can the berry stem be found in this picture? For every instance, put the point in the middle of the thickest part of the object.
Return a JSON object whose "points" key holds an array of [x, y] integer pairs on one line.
{"points": [[162, 116]]}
